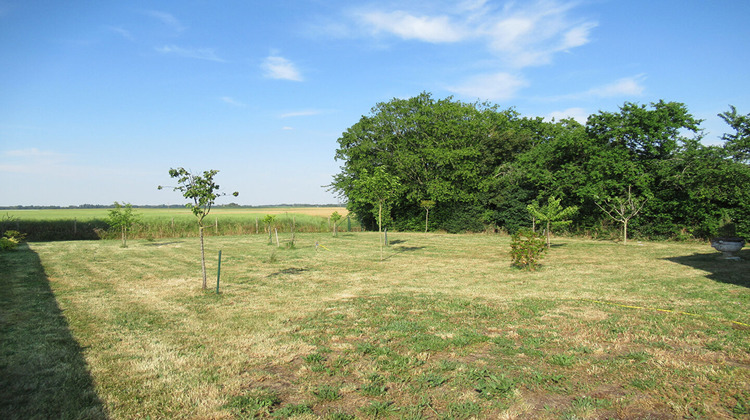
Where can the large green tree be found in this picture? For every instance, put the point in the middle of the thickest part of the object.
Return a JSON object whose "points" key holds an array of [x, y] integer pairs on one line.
{"points": [[202, 192], [436, 148], [484, 166], [737, 143]]}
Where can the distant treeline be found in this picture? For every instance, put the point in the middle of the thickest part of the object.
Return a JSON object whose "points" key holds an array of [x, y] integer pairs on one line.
{"points": [[164, 206]]}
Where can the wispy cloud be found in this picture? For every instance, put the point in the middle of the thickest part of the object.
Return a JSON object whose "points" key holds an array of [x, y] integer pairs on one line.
{"points": [[30, 160], [624, 87], [578, 114], [167, 19], [305, 113], [121, 31], [232, 101], [494, 87], [197, 53], [531, 34], [30, 153], [627, 86], [277, 67], [521, 34], [407, 26]]}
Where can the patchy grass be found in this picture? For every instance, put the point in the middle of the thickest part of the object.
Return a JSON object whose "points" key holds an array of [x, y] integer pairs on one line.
{"points": [[442, 328]]}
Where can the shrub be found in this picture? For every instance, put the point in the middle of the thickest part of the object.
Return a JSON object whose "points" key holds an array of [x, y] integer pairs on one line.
{"points": [[526, 249], [11, 239]]}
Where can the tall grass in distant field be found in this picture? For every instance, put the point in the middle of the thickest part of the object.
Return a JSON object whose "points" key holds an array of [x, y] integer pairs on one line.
{"points": [[64, 224]]}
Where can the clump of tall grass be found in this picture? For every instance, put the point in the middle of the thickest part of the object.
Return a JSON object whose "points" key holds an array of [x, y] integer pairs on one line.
{"points": [[180, 226]]}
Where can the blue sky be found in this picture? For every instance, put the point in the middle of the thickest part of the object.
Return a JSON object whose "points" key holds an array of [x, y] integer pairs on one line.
{"points": [[99, 99]]}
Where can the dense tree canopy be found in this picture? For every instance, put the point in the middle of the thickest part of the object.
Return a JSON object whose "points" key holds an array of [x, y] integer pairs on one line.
{"points": [[483, 166]]}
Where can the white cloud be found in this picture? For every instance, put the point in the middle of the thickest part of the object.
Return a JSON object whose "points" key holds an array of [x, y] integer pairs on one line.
{"points": [[122, 32], [287, 128], [197, 53], [493, 87], [232, 101], [521, 34], [276, 67], [532, 35], [404, 25], [30, 160], [167, 19], [305, 113], [578, 114], [627, 86], [624, 87]]}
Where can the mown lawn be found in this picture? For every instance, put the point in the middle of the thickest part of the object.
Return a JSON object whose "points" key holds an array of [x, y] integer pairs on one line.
{"points": [[441, 328]]}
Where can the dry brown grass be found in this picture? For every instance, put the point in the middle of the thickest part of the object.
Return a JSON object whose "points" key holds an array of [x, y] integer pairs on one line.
{"points": [[439, 308]]}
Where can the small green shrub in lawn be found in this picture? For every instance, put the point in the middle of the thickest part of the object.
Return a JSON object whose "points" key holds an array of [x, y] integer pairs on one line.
{"points": [[10, 240], [526, 249]]}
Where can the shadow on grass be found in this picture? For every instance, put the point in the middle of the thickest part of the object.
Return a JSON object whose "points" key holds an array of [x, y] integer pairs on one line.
{"points": [[401, 249], [163, 243], [721, 270], [42, 370], [291, 270]]}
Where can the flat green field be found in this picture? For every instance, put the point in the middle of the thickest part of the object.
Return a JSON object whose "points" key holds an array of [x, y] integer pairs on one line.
{"points": [[441, 328], [167, 213]]}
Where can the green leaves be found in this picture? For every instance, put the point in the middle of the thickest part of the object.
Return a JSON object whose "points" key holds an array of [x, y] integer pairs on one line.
{"points": [[484, 166], [553, 214], [201, 189], [526, 249], [737, 144], [123, 218], [377, 188]]}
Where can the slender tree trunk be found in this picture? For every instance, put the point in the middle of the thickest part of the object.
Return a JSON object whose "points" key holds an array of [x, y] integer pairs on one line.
{"points": [[426, 219], [203, 257], [124, 238], [625, 231], [380, 228], [548, 233]]}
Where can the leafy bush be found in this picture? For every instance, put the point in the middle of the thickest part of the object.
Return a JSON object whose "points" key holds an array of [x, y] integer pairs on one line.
{"points": [[11, 239], [526, 249]]}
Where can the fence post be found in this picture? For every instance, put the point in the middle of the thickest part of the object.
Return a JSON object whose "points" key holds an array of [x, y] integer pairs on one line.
{"points": [[218, 274]]}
